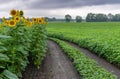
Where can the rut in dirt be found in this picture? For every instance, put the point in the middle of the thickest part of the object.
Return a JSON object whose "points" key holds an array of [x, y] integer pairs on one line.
{"points": [[55, 66], [102, 62]]}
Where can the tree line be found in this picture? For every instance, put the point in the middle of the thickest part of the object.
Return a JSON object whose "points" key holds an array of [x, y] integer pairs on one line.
{"points": [[91, 17]]}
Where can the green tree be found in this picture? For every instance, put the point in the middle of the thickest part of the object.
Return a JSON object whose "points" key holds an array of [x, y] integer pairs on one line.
{"points": [[110, 17], [101, 17], [68, 18], [78, 19], [91, 17], [116, 17]]}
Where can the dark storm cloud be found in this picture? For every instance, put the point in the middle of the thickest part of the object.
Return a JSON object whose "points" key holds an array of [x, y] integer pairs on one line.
{"points": [[47, 4]]}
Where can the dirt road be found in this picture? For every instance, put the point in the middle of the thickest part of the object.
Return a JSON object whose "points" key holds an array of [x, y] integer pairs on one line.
{"points": [[55, 66]]}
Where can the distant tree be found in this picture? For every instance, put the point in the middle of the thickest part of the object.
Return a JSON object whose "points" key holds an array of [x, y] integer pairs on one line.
{"points": [[47, 18], [78, 19], [110, 17], [116, 17], [54, 19], [91, 17], [68, 18], [101, 17]]}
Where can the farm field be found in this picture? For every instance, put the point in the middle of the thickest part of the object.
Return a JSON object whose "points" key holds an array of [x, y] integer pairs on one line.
{"points": [[101, 38]]}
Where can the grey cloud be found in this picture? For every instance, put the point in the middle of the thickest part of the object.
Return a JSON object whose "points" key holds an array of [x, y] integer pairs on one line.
{"points": [[11, 1], [48, 4], [5, 1]]}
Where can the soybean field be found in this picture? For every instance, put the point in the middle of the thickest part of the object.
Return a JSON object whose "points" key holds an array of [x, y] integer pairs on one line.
{"points": [[101, 38]]}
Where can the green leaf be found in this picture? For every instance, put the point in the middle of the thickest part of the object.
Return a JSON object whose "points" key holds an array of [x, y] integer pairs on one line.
{"points": [[2, 49], [4, 57], [1, 78], [2, 67], [9, 74], [4, 37]]}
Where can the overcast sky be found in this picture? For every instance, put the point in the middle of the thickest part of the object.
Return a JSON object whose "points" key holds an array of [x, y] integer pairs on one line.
{"points": [[58, 8]]}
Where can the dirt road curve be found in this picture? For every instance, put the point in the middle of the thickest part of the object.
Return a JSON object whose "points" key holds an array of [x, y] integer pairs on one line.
{"points": [[55, 66]]}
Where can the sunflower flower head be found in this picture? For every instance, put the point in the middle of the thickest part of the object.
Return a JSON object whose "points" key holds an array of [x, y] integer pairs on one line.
{"points": [[12, 23], [30, 24], [17, 18], [13, 13], [6, 22], [3, 19], [21, 13], [34, 19], [40, 21]]}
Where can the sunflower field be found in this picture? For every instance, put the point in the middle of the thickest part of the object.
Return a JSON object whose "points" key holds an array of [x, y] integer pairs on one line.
{"points": [[20, 38]]}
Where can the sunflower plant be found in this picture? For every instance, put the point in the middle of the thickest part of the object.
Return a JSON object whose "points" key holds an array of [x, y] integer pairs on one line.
{"points": [[38, 44], [20, 38]]}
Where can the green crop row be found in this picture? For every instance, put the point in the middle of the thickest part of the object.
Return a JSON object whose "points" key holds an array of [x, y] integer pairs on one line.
{"points": [[86, 67], [16, 45], [100, 38]]}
